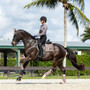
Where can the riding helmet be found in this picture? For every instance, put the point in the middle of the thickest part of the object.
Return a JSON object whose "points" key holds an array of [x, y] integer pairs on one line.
{"points": [[43, 18]]}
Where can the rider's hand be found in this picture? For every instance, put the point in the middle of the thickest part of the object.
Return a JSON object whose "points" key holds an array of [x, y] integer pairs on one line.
{"points": [[35, 36]]}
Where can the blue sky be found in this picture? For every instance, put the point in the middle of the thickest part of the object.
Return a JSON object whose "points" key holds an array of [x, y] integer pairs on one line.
{"points": [[13, 15]]}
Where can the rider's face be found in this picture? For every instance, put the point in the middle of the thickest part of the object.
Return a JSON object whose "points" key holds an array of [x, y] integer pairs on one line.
{"points": [[42, 22]]}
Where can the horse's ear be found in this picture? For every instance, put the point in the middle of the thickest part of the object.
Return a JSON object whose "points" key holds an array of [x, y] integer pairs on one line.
{"points": [[14, 30]]}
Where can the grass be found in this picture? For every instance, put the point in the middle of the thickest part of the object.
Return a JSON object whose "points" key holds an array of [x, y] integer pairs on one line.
{"points": [[14, 76]]}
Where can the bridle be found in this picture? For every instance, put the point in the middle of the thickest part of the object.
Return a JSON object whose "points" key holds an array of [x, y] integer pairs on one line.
{"points": [[15, 40]]}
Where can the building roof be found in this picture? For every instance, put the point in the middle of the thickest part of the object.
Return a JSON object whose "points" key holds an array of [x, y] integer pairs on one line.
{"points": [[73, 45]]}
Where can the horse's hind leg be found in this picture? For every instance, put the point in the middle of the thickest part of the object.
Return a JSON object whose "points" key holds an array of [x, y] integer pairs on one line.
{"points": [[51, 70], [63, 70], [47, 73]]}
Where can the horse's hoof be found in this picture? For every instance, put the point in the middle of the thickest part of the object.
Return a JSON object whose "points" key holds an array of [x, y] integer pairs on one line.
{"points": [[43, 78], [61, 82], [19, 79]]}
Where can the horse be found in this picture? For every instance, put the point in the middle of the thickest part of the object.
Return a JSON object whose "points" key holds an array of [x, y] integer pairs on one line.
{"points": [[31, 52]]}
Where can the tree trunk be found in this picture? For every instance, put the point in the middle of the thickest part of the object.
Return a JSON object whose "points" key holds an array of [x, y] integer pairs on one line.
{"points": [[65, 27], [65, 32]]}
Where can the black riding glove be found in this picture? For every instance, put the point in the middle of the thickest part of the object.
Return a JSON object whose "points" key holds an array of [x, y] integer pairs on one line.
{"points": [[35, 36]]}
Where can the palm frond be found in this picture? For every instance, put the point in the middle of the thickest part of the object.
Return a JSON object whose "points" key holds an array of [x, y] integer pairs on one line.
{"points": [[72, 18], [81, 18], [47, 3], [80, 3], [84, 39], [86, 35]]}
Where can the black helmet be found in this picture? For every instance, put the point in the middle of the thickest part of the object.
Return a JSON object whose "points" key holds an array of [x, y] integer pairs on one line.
{"points": [[43, 18]]}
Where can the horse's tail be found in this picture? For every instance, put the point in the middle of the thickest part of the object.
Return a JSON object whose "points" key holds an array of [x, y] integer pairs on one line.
{"points": [[72, 57]]}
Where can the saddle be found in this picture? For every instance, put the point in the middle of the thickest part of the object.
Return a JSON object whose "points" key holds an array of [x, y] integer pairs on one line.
{"points": [[49, 46]]}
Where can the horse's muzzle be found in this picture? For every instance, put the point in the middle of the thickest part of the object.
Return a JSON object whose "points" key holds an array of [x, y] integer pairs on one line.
{"points": [[13, 43]]}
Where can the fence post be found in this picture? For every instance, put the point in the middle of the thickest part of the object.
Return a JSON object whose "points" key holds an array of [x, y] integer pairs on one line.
{"points": [[31, 73], [43, 72], [8, 73], [5, 58], [18, 58], [78, 73]]}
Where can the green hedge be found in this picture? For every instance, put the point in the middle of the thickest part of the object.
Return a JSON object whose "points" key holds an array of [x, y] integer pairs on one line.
{"points": [[10, 62], [80, 59]]}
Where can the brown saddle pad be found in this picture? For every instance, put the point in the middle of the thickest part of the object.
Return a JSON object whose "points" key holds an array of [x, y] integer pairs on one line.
{"points": [[49, 47]]}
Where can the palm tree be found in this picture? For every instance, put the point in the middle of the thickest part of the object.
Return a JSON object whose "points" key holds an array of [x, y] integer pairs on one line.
{"points": [[75, 14], [86, 35]]}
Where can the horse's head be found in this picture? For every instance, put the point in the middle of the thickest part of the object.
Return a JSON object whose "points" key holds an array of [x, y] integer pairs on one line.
{"points": [[16, 37]]}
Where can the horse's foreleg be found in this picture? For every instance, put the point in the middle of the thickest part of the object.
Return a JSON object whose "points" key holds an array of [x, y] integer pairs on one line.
{"points": [[22, 67], [25, 64], [21, 70]]}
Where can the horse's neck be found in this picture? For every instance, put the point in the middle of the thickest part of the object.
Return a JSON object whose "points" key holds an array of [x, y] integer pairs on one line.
{"points": [[27, 39]]}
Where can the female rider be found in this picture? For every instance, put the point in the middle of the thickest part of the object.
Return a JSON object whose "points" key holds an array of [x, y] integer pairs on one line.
{"points": [[42, 34]]}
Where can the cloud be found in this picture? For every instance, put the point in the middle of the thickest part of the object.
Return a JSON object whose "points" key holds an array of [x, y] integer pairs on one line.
{"points": [[87, 6], [4, 23], [58, 35], [8, 35], [13, 15]]}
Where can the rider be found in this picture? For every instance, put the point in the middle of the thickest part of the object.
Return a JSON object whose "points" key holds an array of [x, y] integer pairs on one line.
{"points": [[42, 34]]}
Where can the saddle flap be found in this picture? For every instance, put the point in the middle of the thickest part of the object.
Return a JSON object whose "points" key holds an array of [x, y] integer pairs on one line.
{"points": [[49, 47]]}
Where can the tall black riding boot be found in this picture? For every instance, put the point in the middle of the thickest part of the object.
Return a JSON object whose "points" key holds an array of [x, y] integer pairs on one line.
{"points": [[40, 55]]}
